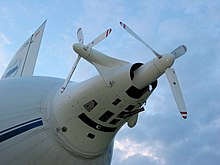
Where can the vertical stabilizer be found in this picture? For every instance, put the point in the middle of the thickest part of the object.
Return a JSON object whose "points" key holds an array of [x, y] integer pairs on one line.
{"points": [[24, 61]]}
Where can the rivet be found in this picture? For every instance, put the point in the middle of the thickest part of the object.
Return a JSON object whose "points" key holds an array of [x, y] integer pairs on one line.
{"points": [[64, 129]]}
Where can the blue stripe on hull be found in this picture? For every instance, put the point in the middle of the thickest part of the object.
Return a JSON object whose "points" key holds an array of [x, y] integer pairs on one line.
{"points": [[20, 128]]}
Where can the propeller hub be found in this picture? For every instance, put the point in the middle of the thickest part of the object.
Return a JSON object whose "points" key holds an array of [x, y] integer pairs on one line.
{"points": [[166, 61], [81, 50]]}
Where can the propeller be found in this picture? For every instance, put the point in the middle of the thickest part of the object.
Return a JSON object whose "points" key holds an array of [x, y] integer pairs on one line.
{"points": [[174, 84], [80, 36], [99, 38], [175, 87], [90, 45], [170, 72], [138, 38], [179, 51]]}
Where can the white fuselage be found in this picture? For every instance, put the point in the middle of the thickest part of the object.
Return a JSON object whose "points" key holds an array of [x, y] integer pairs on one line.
{"points": [[39, 125], [28, 132]]}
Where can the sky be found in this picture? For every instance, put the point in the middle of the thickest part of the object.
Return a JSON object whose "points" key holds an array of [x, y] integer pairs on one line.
{"points": [[161, 136]]}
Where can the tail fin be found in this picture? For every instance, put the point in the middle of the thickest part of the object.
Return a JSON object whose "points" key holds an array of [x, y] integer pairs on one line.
{"points": [[24, 61]]}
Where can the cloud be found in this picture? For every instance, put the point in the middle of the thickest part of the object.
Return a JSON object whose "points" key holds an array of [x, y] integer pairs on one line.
{"points": [[200, 145], [6, 17], [4, 13], [100, 14], [129, 148], [4, 41]]}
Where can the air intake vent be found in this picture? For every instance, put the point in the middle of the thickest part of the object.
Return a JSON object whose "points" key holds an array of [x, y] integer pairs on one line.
{"points": [[107, 115], [90, 105]]}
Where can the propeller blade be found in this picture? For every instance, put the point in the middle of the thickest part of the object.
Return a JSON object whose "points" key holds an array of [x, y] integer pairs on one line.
{"points": [[80, 35], [99, 38], [91, 44], [179, 51], [138, 38], [174, 84], [70, 74]]}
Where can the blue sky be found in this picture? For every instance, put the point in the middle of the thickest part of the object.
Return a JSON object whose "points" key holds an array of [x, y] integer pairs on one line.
{"points": [[161, 136]]}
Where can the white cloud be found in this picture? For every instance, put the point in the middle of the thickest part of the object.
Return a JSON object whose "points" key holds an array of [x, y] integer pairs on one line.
{"points": [[4, 12], [4, 41], [130, 148], [6, 18]]}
